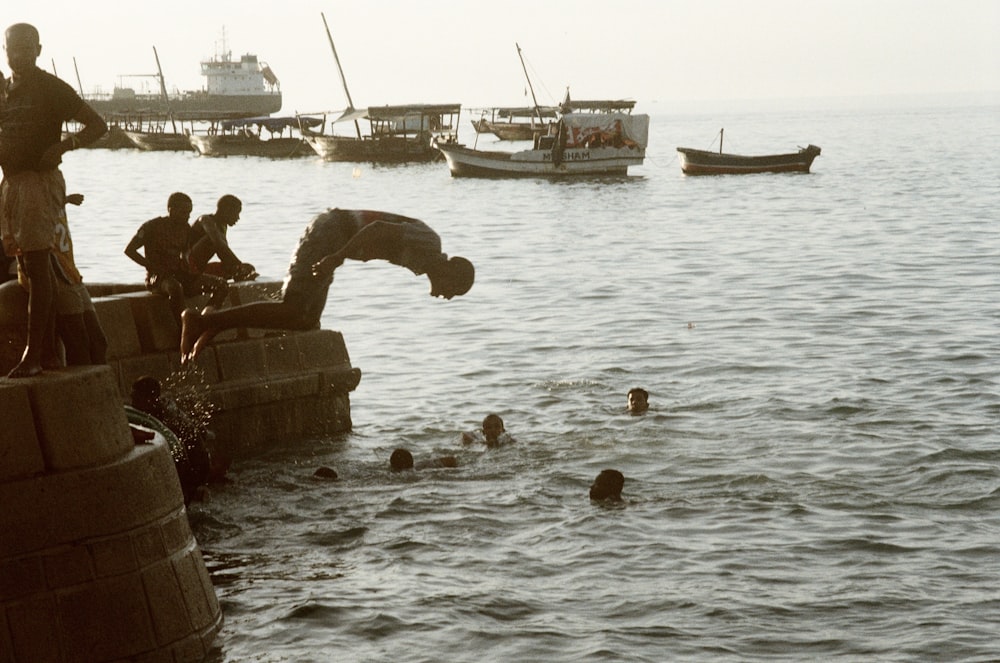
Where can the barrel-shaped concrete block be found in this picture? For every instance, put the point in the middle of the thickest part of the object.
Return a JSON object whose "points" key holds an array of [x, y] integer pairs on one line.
{"points": [[20, 453], [283, 356], [157, 364], [91, 503], [154, 321], [115, 314], [241, 360], [80, 421], [324, 347]]}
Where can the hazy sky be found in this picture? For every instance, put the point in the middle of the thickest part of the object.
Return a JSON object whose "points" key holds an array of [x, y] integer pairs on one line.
{"points": [[658, 52]]}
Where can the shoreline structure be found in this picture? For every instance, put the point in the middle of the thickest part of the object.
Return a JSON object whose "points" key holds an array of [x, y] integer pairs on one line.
{"points": [[97, 560]]}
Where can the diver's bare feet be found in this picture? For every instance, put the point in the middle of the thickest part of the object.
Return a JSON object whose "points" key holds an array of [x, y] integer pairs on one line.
{"points": [[203, 340], [192, 328]]}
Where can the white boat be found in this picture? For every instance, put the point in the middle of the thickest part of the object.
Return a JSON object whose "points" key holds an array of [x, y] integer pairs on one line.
{"points": [[584, 144], [244, 87]]}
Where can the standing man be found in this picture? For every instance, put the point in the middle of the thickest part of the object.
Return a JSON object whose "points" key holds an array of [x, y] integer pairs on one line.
{"points": [[332, 237], [33, 107]]}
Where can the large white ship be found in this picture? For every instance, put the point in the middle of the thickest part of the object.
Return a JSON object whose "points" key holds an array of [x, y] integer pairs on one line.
{"points": [[233, 88]]}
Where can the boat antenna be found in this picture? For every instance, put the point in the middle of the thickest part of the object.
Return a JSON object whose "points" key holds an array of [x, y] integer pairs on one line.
{"points": [[340, 70], [163, 89], [538, 112]]}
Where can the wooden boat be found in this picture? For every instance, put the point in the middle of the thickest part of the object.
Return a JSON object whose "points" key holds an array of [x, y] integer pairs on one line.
{"points": [[244, 137], [394, 134], [590, 138], [705, 162], [159, 141], [582, 145], [516, 123]]}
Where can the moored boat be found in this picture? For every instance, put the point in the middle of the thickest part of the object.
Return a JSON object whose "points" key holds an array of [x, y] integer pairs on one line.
{"points": [[246, 87], [394, 134], [706, 162], [159, 141], [244, 137], [584, 144], [516, 123]]}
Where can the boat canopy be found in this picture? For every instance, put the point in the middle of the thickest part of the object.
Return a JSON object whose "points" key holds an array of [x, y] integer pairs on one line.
{"points": [[527, 111], [584, 129], [393, 112], [272, 124]]}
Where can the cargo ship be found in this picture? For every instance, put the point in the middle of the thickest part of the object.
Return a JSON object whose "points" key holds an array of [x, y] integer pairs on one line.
{"points": [[233, 88]]}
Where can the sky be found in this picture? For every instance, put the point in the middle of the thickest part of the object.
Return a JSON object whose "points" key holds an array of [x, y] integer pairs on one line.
{"points": [[664, 54]]}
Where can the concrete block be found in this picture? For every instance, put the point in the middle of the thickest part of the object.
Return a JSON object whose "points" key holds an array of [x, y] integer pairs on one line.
{"points": [[340, 379], [323, 347], [80, 418], [190, 650], [91, 503], [113, 556], [158, 329], [283, 356], [20, 577], [171, 621], [148, 544], [20, 451], [6, 646], [248, 292], [109, 620], [240, 396], [107, 289], [199, 595], [33, 631], [67, 566], [119, 327], [206, 365], [158, 364], [176, 532], [241, 360]]}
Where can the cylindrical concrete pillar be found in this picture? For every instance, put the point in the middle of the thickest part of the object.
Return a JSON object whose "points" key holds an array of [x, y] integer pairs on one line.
{"points": [[97, 562]]}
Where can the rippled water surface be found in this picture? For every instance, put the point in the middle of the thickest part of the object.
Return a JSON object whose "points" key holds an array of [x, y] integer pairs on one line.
{"points": [[818, 477]]}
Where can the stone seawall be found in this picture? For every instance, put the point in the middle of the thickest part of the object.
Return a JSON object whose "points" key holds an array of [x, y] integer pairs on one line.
{"points": [[97, 561]]}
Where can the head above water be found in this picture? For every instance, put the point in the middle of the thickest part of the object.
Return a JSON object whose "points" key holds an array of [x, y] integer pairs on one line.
{"points": [[401, 459], [608, 486], [638, 400], [23, 47], [146, 393], [492, 428], [452, 277]]}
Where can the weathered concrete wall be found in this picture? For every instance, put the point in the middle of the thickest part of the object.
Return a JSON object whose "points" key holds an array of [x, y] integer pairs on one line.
{"points": [[265, 385], [97, 562]]}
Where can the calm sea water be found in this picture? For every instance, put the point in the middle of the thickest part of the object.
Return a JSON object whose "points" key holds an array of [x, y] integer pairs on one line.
{"points": [[818, 477]]}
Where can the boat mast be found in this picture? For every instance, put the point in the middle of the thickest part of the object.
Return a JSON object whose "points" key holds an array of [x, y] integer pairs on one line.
{"points": [[77, 70], [163, 89], [720, 139], [538, 112], [340, 70]]}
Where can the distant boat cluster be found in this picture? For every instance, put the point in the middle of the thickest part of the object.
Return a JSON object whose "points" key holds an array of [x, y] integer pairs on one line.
{"points": [[234, 116]]}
